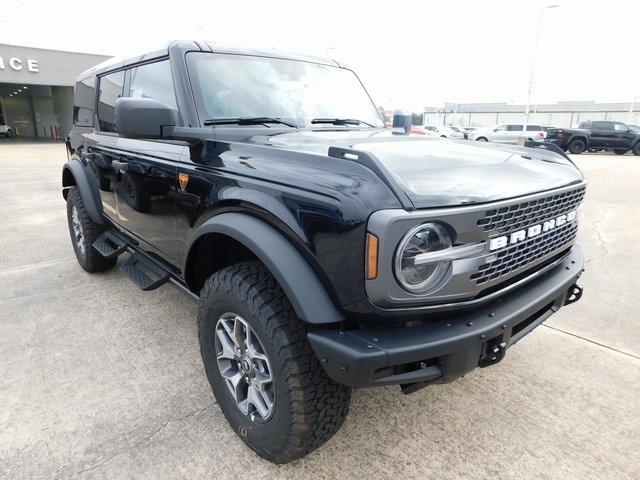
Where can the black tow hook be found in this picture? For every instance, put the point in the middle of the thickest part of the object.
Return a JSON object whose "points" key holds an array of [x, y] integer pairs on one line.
{"points": [[494, 354], [574, 294]]}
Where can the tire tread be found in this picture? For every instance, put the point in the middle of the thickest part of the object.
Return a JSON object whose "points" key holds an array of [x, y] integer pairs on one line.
{"points": [[318, 405], [92, 261]]}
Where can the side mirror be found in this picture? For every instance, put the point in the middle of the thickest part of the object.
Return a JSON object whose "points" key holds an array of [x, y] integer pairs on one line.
{"points": [[143, 117]]}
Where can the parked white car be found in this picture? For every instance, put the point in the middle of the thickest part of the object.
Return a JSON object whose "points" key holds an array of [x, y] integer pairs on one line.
{"points": [[509, 133], [5, 131], [445, 132]]}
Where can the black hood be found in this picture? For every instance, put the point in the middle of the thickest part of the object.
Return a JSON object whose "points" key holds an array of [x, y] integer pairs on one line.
{"points": [[436, 172]]}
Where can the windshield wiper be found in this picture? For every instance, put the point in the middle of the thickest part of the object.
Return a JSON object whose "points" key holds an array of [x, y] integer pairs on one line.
{"points": [[341, 121], [247, 121]]}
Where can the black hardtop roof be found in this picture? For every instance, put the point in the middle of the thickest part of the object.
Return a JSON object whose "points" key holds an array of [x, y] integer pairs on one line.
{"points": [[203, 46]]}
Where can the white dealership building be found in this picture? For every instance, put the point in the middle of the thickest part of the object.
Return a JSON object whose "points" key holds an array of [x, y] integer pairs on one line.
{"points": [[36, 89], [559, 114]]}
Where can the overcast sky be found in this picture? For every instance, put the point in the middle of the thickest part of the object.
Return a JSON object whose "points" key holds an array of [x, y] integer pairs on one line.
{"points": [[409, 54]]}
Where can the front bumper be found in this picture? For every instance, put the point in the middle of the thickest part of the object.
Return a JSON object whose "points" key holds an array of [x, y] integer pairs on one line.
{"points": [[447, 349]]}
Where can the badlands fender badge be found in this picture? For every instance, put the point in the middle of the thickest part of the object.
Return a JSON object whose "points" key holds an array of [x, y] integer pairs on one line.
{"points": [[534, 230]]}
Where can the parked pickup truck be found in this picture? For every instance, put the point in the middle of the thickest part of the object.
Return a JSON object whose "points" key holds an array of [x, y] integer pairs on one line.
{"points": [[596, 135], [325, 252]]}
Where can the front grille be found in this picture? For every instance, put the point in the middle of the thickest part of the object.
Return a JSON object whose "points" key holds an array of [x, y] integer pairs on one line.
{"points": [[518, 257], [497, 222]]}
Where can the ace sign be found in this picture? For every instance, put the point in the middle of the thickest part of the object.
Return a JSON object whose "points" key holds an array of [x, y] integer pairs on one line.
{"points": [[18, 64]]}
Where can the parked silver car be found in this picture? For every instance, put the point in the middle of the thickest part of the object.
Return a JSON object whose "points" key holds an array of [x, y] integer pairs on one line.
{"points": [[509, 133], [445, 132]]}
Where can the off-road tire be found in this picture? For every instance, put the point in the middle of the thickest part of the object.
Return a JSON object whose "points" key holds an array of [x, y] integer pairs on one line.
{"points": [[619, 151], [577, 146], [91, 260], [309, 407], [636, 149]]}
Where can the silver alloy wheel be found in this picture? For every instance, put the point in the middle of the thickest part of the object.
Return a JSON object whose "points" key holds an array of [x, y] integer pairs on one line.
{"points": [[77, 229], [244, 366]]}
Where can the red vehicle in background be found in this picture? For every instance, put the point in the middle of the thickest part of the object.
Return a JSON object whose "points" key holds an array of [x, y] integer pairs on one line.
{"points": [[415, 129]]}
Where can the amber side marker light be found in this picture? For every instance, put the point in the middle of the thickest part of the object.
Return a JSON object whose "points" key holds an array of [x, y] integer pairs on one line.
{"points": [[372, 256]]}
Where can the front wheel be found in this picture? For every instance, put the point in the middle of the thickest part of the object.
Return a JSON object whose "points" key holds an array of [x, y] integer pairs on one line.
{"points": [[636, 149], [266, 379], [481, 139]]}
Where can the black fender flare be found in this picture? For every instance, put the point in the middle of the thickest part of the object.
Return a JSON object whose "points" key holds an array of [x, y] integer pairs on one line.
{"points": [[87, 185], [579, 136], [299, 281]]}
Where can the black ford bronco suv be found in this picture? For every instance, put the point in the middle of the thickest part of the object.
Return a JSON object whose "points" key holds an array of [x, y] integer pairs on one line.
{"points": [[325, 252]]}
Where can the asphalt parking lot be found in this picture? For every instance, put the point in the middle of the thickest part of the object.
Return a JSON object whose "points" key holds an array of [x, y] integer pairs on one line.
{"points": [[101, 380]]}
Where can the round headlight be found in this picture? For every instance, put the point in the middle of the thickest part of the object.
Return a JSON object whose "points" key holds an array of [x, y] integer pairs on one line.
{"points": [[413, 270]]}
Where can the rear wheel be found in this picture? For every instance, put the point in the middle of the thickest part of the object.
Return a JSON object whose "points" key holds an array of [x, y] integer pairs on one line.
{"points": [[482, 139], [577, 146], [636, 149], [84, 231], [619, 151], [135, 192], [262, 370]]}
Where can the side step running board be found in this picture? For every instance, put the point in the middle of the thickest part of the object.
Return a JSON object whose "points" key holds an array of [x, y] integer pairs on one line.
{"points": [[110, 245], [145, 273], [141, 270]]}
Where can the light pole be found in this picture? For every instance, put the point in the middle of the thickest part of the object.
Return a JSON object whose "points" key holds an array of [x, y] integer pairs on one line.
{"points": [[533, 62], [633, 101]]}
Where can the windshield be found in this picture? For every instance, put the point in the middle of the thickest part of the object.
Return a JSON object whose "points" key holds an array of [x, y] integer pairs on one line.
{"points": [[242, 86]]}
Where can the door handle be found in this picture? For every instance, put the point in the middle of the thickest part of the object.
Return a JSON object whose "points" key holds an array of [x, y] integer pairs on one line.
{"points": [[119, 166]]}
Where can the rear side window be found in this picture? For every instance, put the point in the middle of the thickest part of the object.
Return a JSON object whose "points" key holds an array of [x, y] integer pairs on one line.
{"points": [[153, 80], [586, 125], [110, 90], [603, 126], [620, 127], [83, 101], [533, 128], [514, 128]]}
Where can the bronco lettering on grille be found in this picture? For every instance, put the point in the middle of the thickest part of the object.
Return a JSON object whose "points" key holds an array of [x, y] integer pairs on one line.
{"points": [[532, 231]]}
